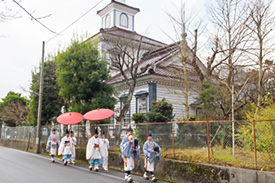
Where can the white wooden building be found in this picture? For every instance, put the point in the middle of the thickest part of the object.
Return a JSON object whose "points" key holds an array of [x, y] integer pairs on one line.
{"points": [[164, 76], [162, 79]]}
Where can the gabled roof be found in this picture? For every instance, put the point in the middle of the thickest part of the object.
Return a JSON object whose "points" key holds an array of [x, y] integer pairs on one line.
{"points": [[156, 61], [116, 31]]}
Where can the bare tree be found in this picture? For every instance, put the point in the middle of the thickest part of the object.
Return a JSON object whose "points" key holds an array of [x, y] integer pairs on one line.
{"points": [[230, 18], [125, 56], [16, 113], [6, 13], [262, 26], [187, 56]]}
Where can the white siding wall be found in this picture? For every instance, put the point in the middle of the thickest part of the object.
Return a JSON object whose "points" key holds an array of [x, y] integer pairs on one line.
{"points": [[176, 99], [163, 91]]}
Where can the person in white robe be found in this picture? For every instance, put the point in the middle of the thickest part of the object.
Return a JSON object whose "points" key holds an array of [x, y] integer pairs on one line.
{"points": [[73, 141], [66, 148], [93, 154], [130, 151], [53, 144], [104, 146], [151, 151]]}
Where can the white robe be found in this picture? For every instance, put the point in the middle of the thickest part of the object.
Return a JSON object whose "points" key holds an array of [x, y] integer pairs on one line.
{"points": [[91, 152], [104, 153], [104, 147], [73, 141], [65, 148]]}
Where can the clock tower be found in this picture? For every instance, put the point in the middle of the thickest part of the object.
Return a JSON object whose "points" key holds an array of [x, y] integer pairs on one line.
{"points": [[118, 14]]}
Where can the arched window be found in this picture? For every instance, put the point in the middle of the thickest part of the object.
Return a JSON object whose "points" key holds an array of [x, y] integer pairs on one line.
{"points": [[123, 20], [108, 21]]}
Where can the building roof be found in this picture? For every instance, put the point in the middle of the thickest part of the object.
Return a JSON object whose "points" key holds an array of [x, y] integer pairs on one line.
{"points": [[156, 60], [118, 3], [116, 31]]}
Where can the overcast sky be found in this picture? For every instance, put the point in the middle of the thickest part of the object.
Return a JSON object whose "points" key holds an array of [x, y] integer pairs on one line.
{"points": [[21, 38]]}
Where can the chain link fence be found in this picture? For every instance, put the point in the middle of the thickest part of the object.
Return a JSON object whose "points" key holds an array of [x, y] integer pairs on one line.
{"points": [[250, 144]]}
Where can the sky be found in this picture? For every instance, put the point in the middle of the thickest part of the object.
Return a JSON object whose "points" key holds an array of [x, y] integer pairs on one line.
{"points": [[21, 38]]}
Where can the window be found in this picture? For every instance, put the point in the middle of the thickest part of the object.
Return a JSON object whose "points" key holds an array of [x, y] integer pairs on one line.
{"points": [[123, 20], [141, 101], [127, 116], [108, 21], [142, 104]]}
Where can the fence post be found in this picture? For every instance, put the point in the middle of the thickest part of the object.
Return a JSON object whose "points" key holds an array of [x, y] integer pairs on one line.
{"points": [[208, 142], [108, 137], [147, 128], [29, 139], [174, 140], [254, 139], [78, 136], [0, 130]]}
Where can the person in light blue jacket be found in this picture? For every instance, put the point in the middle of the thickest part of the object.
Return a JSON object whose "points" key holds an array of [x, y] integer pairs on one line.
{"points": [[53, 144], [151, 152], [130, 151]]}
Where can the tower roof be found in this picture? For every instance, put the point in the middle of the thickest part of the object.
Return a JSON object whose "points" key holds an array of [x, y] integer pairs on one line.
{"points": [[117, 4]]}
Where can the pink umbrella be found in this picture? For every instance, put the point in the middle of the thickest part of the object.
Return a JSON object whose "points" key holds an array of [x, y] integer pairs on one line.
{"points": [[98, 114], [70, 118]]}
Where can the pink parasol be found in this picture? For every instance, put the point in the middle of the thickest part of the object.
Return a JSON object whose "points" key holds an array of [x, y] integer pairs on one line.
{"points": [[70, 118], [98, 114]]}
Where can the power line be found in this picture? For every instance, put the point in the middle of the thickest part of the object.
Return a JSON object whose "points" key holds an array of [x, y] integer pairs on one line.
{"points": [[75, 21]]}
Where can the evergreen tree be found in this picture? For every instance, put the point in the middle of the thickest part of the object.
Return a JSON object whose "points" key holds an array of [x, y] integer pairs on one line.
{"points": [[51, 101], [81, 77]]}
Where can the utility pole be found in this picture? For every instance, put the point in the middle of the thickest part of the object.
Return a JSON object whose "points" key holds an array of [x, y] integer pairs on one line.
{"points": [[38, 132]]}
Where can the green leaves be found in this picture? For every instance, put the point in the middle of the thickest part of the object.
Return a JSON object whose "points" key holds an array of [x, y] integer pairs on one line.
{"points": [[13, 97], [139, 117], [161, 111], [81, 76]]}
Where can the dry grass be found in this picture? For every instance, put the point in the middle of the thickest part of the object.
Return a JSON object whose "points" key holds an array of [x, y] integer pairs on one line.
{"points": [[223, 157]]}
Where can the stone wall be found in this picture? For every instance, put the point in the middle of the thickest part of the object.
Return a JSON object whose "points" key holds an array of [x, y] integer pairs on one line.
{"points": [[22, 145], [171, 170], [180, 171]]}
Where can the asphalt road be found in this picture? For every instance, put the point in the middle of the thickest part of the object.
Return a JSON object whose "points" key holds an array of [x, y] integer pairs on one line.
{"points": [[23, 167]]}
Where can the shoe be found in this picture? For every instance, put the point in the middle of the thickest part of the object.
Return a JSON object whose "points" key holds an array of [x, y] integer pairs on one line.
{"points": [[53, 161], [154, 179], [126, 177], [145, 176], [90, 168], [129, 179], [65, 163], [96, 170]]}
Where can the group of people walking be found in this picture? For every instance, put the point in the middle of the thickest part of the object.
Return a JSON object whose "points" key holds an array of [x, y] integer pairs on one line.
{"points": [[97, 152], [130, 151], [66, 147]]}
